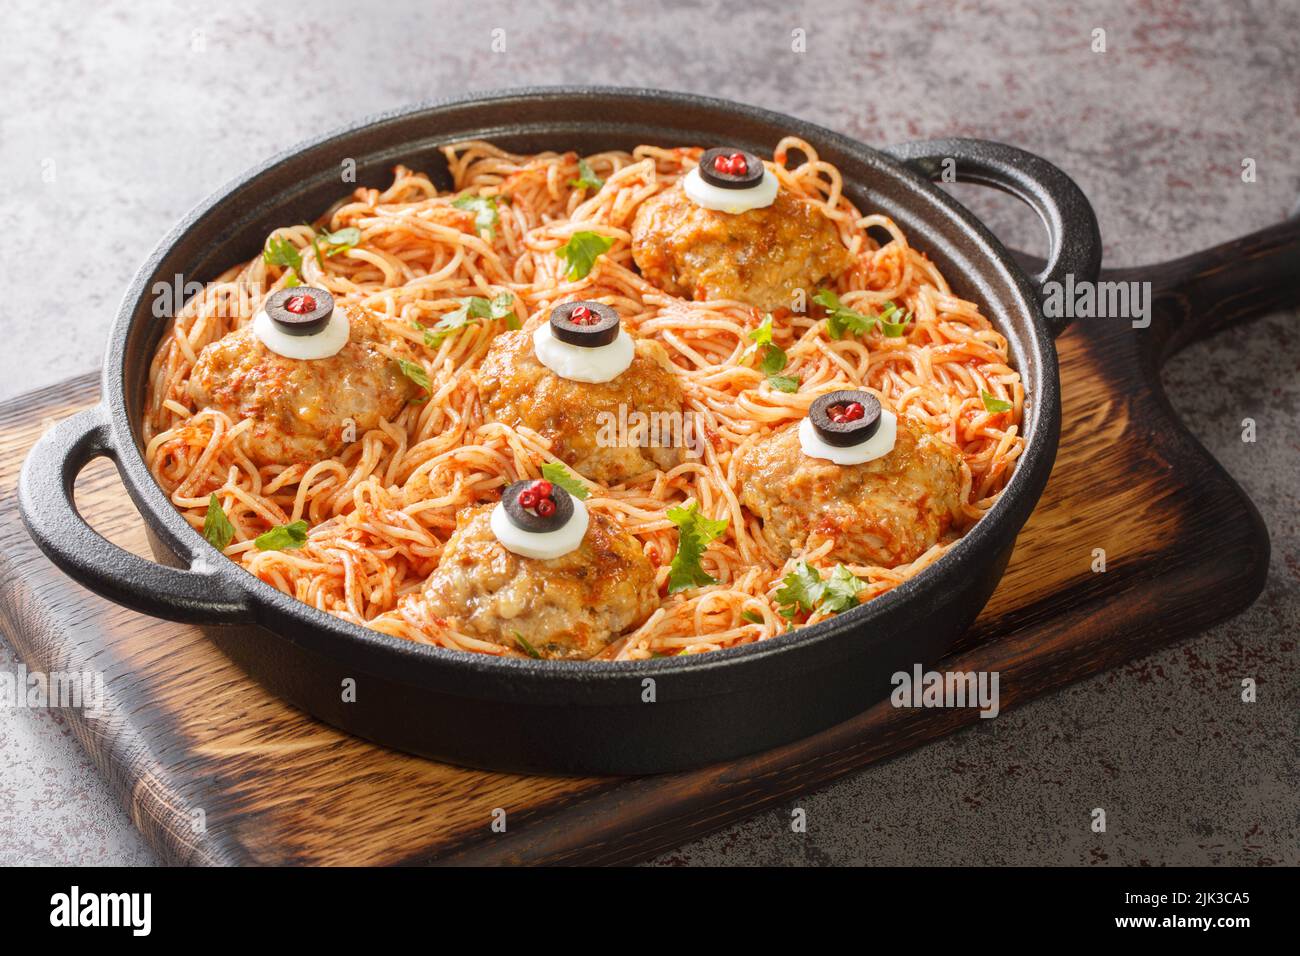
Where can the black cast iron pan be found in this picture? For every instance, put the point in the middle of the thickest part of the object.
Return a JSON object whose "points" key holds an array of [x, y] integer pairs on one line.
{"points": [[579, 717]]}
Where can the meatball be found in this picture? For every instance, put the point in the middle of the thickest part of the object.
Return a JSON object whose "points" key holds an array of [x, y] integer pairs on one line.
{"points": [[884, 513], [759, 257], [301, 408], [566, 607], [581, 419]]}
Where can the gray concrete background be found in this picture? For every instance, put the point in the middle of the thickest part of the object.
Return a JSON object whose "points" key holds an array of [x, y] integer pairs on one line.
{"points": [[139, 110]]}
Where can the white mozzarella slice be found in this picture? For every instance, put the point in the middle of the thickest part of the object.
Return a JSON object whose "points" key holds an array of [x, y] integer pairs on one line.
{"points": [[328, 341], [734, 201], [877, 446], [578, 364], [541, 544]]}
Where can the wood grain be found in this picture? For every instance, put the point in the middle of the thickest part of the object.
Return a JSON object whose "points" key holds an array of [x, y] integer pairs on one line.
{"points": [[186, 730]]}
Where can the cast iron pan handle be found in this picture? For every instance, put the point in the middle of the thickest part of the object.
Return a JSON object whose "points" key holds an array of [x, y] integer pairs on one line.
{"points": [[1074, 241], [50, 513]]}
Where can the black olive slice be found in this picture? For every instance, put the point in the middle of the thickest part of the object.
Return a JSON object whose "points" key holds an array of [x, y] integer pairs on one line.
{"points": [[302, 310], [852, 428], [529, 520], [727, 177], [595, 327]]}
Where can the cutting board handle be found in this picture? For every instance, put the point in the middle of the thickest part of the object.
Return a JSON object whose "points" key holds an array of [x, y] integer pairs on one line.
{"points": [[1225, 286]]}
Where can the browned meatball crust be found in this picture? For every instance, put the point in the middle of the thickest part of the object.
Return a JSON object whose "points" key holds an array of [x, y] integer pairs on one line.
{"points": [[565, 607], [300, 407], [884, 512], [516, 389], [759, 257]]}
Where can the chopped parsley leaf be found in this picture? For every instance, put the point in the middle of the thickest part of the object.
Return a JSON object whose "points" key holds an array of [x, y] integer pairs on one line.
{"points": [[217, 528], [586, 178], [894, 329], [694, 532], [774, 359], [486, 217], [557, 474], [994, 404], [840, 318], [473, 309], [286, 537], [416, 373], [335, 242], [283, 253], [581, 252], [804, 590]]}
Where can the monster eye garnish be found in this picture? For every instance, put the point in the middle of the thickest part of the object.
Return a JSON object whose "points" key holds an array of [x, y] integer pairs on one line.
{"points": [[302, 310], [845, 418], [731, 181], [588, 325], [848, 427], [301, 323], [539, 519], [537, 506], [731, 169], [584, 341]]}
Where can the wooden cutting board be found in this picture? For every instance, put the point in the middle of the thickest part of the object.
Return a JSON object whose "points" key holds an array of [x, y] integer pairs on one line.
{"points": [[186, 731]]}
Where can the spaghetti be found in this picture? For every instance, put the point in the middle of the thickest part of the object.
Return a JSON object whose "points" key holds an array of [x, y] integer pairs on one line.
{"points": [[381, 511]]}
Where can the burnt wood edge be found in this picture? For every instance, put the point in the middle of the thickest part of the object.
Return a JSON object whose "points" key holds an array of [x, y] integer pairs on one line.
{"points": [[112, 742]]}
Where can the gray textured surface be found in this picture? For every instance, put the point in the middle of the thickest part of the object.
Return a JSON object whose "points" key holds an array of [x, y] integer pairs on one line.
{"points": [[140, 111]]}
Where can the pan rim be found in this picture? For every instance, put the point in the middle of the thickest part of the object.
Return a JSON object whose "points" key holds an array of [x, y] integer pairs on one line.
{"points": [[272, 605]]}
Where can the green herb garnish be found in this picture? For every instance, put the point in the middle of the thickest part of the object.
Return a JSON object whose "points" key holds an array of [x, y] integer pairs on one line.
{"points": [[344, 238], [581, 252], [894, 329], [557, 474], [762, 335], [416, 373], [774, 359], [993, 404], [804, 590], [286, 537], [473, 309], [753, 617], [525, 646], [335, 242], [283, 253], [694, 532], [841, 591], [800, 590], [217, 528], [840, 318], [586, 178], [485, 212]]}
